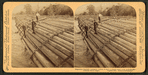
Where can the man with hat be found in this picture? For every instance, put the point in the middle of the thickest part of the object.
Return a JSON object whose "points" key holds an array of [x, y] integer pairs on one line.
{"points": [[95, 26], [33, 26], [86, 30], [99, 18], [24, 30], [37, 16]]}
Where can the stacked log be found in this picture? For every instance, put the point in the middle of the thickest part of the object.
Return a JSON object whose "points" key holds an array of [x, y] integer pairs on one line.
{"points": [[114, 45], [50, 47]]}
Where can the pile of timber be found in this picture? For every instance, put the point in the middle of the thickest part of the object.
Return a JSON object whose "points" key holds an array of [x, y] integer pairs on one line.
{"points": [[114, 45], [52, 44]]}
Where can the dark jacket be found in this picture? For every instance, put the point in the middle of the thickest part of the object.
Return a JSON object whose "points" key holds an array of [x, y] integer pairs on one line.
{"points": [[33, 24], [86, 28], [95, 25], [24, 28], [99, 19]]}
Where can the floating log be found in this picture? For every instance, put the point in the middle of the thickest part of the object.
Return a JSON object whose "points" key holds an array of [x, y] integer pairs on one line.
{"points": [[35, 60], [40, 57], [98, 62]]}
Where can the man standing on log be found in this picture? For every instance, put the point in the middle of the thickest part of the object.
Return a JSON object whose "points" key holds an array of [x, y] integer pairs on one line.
{"points": [[33, 26], [37, 16], [86, 31], [95, 26], [78, 21], [24, 30], [99, 18]]}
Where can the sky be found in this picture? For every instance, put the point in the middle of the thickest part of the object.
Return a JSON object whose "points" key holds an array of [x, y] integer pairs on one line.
{"points": [[97, 6], [34, 7], [78, 11]]}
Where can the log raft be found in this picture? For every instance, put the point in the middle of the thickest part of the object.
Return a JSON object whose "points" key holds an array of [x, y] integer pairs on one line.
{"points": [[51, 46], [114, 45]]}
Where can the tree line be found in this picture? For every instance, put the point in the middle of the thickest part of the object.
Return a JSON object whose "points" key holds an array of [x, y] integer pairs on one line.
{"points": [[115, 10], [52, 9]]}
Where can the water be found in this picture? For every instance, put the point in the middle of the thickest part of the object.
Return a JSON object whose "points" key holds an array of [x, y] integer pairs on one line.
{"points": [[20, 57], [82, 57]]}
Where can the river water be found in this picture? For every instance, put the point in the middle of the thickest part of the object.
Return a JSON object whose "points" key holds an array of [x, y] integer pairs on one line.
{"points": [[82, 57], [19, 57]]}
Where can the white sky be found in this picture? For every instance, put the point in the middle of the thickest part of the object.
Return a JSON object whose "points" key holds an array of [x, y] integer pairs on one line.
{"points": [[78, 11], [96, 5], [34, 7]]}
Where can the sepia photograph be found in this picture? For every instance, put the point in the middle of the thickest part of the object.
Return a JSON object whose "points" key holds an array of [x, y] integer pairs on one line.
{"points": [[105, 36], [74, 37], [42, 35]]}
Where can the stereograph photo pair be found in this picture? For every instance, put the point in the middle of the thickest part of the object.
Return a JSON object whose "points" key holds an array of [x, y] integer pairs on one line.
{"points": [[74, 37]]}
